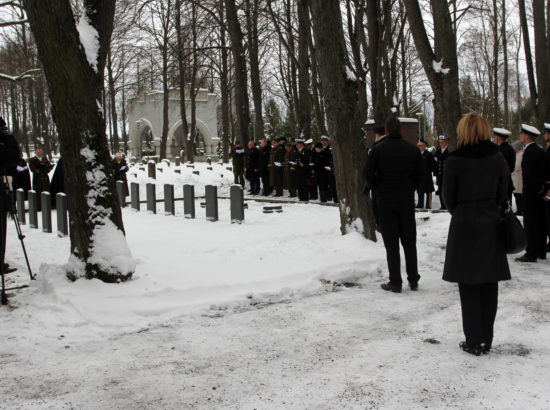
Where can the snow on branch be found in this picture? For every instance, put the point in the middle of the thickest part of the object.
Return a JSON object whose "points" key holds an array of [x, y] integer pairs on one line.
{"points": [[438, 67], [26, 75], [89, 38]]}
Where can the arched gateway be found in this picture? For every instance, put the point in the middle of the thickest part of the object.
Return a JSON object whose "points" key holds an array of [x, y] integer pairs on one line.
{"points": [[145, 121]]}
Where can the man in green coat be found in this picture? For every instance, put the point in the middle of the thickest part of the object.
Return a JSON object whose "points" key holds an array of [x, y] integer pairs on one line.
{"points": [[276, 159], [290, 169]]}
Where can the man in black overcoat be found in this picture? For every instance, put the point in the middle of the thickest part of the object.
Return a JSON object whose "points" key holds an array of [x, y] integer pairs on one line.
{"points": [[22, 179], [263, 166], [426, 186], [501, 139], [394, 171], [9, 154], [547, 181], [441, 155], [533, 169], [252, 168], [302, 170]]}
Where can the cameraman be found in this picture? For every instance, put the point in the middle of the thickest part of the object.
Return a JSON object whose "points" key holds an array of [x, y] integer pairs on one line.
{"points": [[9, 154]]}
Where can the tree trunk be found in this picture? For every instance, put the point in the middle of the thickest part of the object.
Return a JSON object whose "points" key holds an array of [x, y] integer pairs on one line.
{"points": [[224, 86], [505, 74], [241, 88], [344, 124], [75, 82], [440, 64], [304, 98], [181, 71], [112, 94], [255, 80], [542, 63]]}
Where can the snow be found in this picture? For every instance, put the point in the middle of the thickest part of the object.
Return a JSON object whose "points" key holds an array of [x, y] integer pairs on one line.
{"points": [[89, 38], [438, 67], [254, 315], [350, 75]]}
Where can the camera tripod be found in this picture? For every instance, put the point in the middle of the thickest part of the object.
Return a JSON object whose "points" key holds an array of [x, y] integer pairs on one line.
{"points": [[7, 207]]}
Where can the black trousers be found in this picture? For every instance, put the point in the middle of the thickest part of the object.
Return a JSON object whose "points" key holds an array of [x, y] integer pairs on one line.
{"points": [[239, 179], [519, 203], [254, 183], [535, 226], [265, 183], [397, 223], [424, 198], [479, 309]]}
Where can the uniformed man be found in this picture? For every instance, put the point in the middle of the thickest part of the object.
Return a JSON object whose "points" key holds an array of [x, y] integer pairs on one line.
{"points": [[263, 166], [40, 167], [327, 150], [276, 159], [426, 186], [441, 155], [501, 139], [252, 168], [312, 178], [120, 168], [238, 156], [290, 169], [394, 170], [322, 171], [533, 169], [302, 170]]}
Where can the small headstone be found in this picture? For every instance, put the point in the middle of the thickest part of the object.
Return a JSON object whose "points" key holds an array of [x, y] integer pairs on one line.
{"points": [[178, 161], [46, 203], [120, 189], [229, 168], [152, 170], [196, 172], [134, 195], [169, 208], [209, 168], [237, 203], [33, 209], [61, 208], [189, 201], [209, 160], [151, 198], [20, 197], [141, 168], [272, 208], [177, 171], [159, 169], [203, 204], [211, 194], [190, 166]]}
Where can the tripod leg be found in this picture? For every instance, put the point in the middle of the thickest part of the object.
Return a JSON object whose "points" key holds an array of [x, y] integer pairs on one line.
{"points": [[21, 236]]}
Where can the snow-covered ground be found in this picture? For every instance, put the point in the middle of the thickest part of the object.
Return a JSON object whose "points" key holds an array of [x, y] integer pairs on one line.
{"points": [[221, 315]]}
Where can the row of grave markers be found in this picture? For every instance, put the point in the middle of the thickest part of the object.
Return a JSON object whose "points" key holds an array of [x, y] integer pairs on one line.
{"points": [[46, 211], [211, 200]]}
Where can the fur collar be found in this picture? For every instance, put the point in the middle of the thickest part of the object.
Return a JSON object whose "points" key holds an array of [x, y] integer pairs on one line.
{"points": [[483, 149]]}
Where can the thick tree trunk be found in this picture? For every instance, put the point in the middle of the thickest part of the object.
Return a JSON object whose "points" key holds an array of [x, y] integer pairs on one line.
{"points": [[528, 55], [75, 79], [253, 56], [440, 64], [241, 88], [304, 98], [224, 86], [112, 95], [344, 123], [542, 63], [181, 71]]}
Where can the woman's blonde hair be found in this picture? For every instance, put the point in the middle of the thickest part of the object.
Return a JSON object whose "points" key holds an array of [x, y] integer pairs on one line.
{"points": [[472, 129]]}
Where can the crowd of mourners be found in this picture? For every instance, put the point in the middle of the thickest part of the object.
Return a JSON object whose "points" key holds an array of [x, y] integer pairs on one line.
{"points": [[303, 168]]}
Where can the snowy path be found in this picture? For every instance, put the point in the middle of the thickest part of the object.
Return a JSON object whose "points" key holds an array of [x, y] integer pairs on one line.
{"points": [[306, 346]]}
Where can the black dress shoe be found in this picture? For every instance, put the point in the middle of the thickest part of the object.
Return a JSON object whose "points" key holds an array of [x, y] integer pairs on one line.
{"points": [[543, 257], [413, 285], [472, 349], [7, 268], [526, 258], [390, 287]]}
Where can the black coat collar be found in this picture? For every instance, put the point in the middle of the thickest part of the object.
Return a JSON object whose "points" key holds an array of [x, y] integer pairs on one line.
{"points": [[483, 149]]}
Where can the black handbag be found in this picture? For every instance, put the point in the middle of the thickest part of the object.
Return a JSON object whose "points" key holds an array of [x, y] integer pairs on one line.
{"points": [[515, 239]]}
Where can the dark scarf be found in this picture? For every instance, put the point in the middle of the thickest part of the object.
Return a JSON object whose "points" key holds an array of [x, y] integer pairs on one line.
{"points": [[483, 149]]}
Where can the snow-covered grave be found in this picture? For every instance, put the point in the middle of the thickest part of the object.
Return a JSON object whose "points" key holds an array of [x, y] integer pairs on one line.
{"points": [[280, 312]]}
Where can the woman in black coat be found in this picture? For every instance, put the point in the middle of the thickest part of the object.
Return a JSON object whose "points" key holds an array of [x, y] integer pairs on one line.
{"points": [[475, 186]]}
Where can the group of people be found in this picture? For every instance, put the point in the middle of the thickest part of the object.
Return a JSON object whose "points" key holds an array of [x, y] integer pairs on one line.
{"points": [[303, 168], [475, 184]]}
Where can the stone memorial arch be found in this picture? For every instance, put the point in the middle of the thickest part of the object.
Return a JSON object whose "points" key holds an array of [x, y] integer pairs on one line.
{"points": [[145, 123]]}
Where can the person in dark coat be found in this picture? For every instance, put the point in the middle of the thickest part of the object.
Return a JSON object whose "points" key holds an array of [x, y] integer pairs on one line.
{"points": [[58, 181], [22, 178], [238, 156], [441, 155], [533, 169], [426, 187], [276, 159], [40, 167], [547, 182], [263, 166], [9, 154], [302, 170], [379, 134], [120, 168], [290, 169], [501, 139], [312, 177], [475, 189], [327, 150], [394, 171], [322, 171], [252, 168]]}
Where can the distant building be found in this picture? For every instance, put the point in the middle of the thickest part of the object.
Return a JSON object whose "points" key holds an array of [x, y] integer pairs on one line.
{"points": [[145, 123]]}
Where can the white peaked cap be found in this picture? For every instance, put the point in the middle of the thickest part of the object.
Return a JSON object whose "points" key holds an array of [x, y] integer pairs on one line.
{"points": [[441, 137], [324, 137], [309, 141], [502, 132], [529, 129], [547, 126]]}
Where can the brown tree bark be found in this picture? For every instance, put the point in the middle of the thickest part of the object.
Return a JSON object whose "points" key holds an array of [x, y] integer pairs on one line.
{"points": [[112, 96], [75, 82], [181, 71], [239, 61], [224, 85], [444, 81], [344, 123], [251, 11]]}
